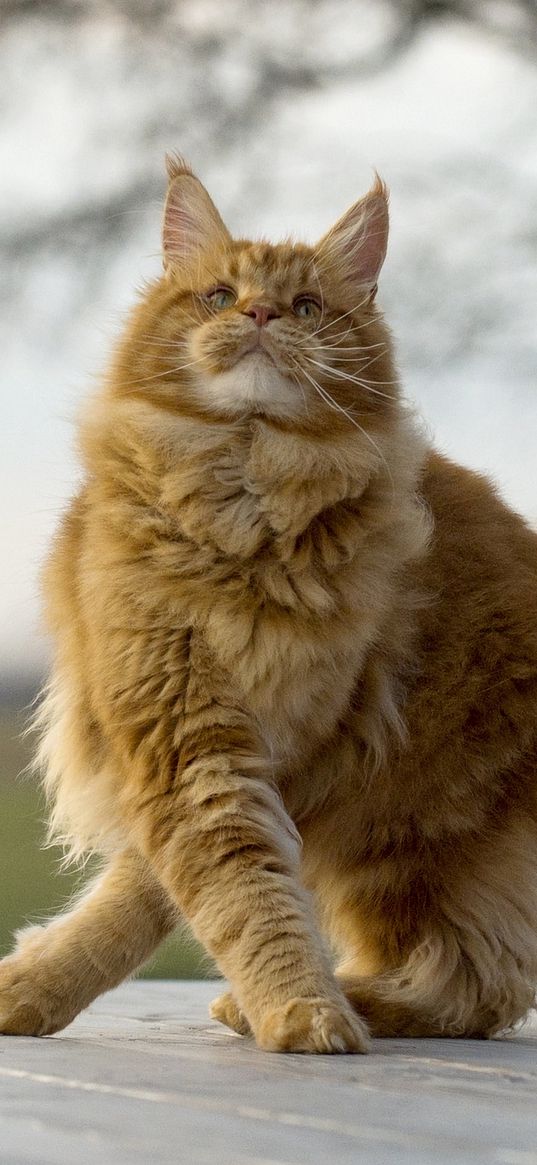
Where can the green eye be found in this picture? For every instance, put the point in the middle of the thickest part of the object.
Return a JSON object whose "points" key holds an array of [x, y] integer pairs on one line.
{"points": [[306, 308], [221, 298]]}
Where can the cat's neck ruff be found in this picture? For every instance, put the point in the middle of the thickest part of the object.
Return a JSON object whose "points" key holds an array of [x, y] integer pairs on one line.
{"points": [[289, 476]]}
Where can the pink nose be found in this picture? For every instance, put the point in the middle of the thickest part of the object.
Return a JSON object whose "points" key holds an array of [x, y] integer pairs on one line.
{"points": [[261, 314]]}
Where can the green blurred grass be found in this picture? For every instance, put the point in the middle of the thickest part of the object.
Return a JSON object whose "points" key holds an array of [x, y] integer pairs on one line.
{"points": [[32, 886]]}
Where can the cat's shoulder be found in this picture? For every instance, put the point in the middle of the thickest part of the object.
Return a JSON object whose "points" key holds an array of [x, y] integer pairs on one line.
{"points": [[478, 543], [462, 499]]}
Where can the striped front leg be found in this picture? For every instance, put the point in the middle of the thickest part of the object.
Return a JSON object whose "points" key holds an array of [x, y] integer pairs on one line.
{"points": [[216, 833]]}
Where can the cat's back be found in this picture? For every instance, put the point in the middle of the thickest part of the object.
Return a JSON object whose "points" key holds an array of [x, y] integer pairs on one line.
{"points": [[473, 701], [481, 549]]}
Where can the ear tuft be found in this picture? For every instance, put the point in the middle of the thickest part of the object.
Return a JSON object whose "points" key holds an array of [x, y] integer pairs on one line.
{"points": [[379, 187], [355, 247], [191, 220], [176, 165]]}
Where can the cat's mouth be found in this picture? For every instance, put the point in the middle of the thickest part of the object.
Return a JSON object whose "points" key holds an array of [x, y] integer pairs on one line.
{"points": [[260, 348], [255, 354], [255, 346], [253, 379]]}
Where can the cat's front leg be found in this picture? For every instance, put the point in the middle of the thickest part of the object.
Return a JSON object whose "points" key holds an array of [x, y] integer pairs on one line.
{"points": [[225, 850], [57, 970]]}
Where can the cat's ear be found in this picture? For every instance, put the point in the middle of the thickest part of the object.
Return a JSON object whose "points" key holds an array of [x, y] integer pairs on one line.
{"points": [[191, 220], [355, 247]]}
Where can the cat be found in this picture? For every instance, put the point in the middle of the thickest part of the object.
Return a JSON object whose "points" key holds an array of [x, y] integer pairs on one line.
{"points": [[294, 695]]}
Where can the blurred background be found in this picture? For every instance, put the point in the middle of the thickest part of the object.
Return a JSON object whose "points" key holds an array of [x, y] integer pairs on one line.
{"points": [[283, 109]]}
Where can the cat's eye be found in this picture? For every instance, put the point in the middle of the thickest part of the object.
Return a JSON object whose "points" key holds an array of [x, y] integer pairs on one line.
{"points": [[221, 298], [306, 307]]}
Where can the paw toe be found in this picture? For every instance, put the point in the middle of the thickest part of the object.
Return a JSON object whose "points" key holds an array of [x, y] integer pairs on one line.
{"points": [[227, 1011], [313, 1025]]}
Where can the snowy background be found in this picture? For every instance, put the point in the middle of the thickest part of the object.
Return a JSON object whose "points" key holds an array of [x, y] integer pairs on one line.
{"points": [[283, 107]]}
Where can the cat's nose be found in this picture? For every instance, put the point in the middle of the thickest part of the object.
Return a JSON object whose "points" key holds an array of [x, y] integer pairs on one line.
{"points": [[261, 313]]}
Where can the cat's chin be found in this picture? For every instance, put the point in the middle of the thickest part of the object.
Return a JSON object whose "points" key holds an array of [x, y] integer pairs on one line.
{"points": [[253, 384]]}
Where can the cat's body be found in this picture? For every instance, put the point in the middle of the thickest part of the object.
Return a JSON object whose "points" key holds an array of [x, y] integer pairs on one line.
{"points": [[276, 610]]}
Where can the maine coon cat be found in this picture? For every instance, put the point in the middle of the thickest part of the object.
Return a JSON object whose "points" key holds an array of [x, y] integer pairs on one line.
{"points": [[295, 684]]}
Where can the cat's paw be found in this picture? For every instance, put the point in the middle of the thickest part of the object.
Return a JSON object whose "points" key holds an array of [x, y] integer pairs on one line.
{"points": [[25, 1008], [312, 1025], [227, 1011]]}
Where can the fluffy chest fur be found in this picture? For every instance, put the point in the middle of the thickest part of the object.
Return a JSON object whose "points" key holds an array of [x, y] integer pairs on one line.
{"points": [[283, 552]]}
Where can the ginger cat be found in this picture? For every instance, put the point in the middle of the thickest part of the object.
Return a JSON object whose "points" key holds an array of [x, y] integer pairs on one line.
{"points": [[295, 684]]}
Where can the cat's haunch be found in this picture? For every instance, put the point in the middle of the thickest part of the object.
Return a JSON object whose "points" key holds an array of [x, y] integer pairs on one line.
{"points": [[294, 696]]}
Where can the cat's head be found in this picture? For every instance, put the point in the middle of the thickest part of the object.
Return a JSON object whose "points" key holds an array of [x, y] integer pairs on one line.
{"points": [[287, 331]]}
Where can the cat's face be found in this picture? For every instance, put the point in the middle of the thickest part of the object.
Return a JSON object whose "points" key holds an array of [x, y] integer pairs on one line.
{"points": [[259, 329], [284, 331]]}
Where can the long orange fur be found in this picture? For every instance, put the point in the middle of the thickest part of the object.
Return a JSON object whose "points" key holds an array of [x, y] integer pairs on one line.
{"points": [[294, 696]]}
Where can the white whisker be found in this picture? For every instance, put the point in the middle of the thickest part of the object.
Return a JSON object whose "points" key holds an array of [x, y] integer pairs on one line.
{"points": [[329, 400], [342, 350], [320, 291], [162, 374], [343, 316], [338, 374], [329, 343], [148, 342]]}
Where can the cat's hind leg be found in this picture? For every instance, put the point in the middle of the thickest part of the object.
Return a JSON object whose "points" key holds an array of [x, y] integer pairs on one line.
{"points": [[441, 992], [58, 969], [469, 959]]}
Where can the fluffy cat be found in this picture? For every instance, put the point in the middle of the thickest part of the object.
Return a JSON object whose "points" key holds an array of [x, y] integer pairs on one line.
{"points": [[295, 682]]}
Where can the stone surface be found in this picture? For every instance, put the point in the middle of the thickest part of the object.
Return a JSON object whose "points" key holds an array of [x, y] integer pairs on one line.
{"points": [[144, 1076]]}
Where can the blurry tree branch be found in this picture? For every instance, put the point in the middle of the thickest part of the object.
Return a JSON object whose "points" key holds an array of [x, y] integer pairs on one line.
{"points": [[514, 20], [274, 49]]}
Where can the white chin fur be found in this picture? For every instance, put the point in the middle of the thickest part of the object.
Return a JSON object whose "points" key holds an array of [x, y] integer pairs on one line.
{"points": [[254, 383]]}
